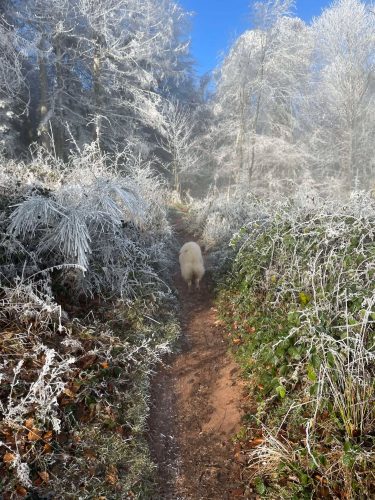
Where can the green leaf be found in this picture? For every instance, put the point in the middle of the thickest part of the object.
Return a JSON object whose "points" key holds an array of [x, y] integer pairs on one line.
{"points": [[316, 361], [348, 459], [281, 391], [284, 369], [304, 478], [322, 459], [294, 318], [331, 359], [314, 390], [347, 446], [293, 351], [311, 373], [260, 486], [304, 298]]}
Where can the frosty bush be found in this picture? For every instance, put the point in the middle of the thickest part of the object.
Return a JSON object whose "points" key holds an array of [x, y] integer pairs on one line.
{"points": [[91, 213], [217, 217], [300, 304], [65, 386]]}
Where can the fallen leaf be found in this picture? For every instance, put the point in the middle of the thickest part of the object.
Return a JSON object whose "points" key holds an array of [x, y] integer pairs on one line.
{"points": [[34, 434], [47, 448], [47, 436], [112, 476], [90, 454], [77, 438], [29, 423], [256, 442], [44, 476], [20, 490], [238, 492], [87, 361], [237, 341], [8, 457], [111, 479], [68, 392]]}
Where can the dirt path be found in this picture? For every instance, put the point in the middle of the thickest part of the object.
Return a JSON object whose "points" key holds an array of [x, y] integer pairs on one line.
{"points": [[196, 405]]}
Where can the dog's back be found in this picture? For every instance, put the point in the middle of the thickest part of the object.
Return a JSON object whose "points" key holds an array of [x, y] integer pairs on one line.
{"points": [[191, 263]]}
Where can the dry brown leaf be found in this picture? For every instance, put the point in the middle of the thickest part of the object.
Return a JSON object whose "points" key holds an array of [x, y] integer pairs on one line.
{"points": [[8, 457], [47, 436], [112, 476], [29, 423], [256, 442], [87, 361], [111, 479], [90, 454], [68, 392], [20, 490], [47, 448], [238, 492], [44, 476], [77, 438], [34, 434]]}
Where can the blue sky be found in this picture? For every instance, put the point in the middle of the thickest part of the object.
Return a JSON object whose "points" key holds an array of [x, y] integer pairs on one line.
{"points": [[217, 23]]}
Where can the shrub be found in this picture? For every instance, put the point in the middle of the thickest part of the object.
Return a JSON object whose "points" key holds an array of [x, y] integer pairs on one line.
{"points": [[299, 304], [109, 224]]}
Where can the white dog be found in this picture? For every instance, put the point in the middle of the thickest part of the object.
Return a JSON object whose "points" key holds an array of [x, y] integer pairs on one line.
{"points": [[191, 263]]}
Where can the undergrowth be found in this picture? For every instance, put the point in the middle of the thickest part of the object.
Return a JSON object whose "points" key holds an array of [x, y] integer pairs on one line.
{"points": [[299, 305], [86, 313]]}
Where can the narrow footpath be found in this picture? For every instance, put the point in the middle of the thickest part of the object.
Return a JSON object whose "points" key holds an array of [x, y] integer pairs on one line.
{"points": [[196, 400]]}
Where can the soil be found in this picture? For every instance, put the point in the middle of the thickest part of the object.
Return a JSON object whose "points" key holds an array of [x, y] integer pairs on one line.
{"points": [[196, 409]]}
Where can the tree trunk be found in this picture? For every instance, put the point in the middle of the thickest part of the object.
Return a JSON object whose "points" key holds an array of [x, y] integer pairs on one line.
{"points": [[59, 129], [44, 138], [96, 72]]}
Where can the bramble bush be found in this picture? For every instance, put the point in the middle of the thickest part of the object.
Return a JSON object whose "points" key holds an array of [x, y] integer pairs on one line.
{"points": [[299, 306], [84, 254]]}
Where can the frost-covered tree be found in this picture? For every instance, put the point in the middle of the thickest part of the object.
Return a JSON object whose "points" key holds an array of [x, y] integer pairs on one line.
{"points": [[11, 83], [297, 102], [259, 89], [103, 68], [178, 141], [132, 51], [341, 110]]}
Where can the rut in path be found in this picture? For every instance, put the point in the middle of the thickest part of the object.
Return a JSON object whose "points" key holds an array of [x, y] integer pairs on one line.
{"points": [[196, 404]]}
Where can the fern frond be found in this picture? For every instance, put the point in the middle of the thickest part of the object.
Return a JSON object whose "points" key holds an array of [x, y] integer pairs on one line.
{"points": [[33, 213], [71, 236]]}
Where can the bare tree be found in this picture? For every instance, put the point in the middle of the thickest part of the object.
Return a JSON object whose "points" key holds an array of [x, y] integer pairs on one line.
{"points": [[11, 85], [102, 63], [178, 141], [342, 111], [259, 88]]}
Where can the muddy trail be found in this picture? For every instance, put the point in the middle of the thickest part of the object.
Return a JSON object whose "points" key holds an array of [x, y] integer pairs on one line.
{"points": [[196, 403]]}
